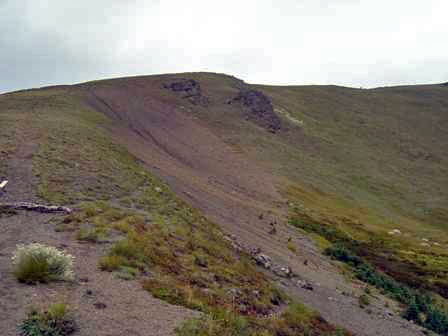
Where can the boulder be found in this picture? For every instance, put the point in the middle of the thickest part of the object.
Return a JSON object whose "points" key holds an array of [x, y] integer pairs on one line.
{"points": [[189, 89], [259, 109], [263, 260], [283, 271]]}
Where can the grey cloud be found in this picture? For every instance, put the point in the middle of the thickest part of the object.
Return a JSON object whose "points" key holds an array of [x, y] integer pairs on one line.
{"points": [[344, 42]]}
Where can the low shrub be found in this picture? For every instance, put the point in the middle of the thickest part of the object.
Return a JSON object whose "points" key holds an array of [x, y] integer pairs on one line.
{"points": [[40, 263], [111, 262], [420, 308], [218, 323], [55, 320], [363, 300], [93, 235]]}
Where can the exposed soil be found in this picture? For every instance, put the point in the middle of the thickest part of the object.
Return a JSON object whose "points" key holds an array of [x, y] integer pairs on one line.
{"points": [[102, 304], [233, 191]]}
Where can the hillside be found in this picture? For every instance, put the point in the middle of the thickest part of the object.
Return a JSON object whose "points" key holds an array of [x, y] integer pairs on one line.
{"points": [[153, 163]]}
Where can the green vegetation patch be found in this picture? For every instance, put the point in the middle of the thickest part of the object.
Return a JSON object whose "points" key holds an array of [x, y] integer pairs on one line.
{"points": [[366, 257], [55, 320], [40, 263], [184, 259], [295, 320]]}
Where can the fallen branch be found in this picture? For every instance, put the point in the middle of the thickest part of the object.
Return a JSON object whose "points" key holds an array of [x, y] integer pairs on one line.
{"points": [[35, 207]]}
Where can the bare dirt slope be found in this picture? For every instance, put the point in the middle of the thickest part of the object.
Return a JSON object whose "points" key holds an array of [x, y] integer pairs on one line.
{"points": [[231, 190]]}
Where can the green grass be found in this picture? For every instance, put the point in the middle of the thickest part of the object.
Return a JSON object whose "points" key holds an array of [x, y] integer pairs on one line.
{"points": [[295, 320], [32, 269], [55, 320]]}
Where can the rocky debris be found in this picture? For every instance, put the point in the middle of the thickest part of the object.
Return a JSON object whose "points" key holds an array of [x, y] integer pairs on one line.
{"points": [[283, 271], [260, 109], [305, 284], [263, 260], [189, 89], [35, 207], [395, 232], [234, 292], [99, 305]]}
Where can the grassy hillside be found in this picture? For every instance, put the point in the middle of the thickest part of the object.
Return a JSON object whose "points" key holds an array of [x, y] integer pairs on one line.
{"points": [[350, 163], [383, 150], [179, 255]]}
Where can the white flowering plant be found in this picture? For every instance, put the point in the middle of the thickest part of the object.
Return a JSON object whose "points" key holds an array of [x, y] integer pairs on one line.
{"points": [[40, 263]]}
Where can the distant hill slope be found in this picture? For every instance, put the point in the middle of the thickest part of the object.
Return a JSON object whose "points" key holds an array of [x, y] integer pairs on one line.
{"points": [[246, 156], [382, 149]]}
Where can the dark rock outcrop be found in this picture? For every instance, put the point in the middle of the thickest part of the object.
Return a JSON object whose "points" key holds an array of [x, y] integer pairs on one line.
{"points": [[188, 89], [260, 109], [35, 207]]}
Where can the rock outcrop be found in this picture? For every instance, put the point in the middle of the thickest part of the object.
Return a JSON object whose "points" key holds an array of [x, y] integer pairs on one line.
{"points": [[189, 89], [259, 109], [34, 207]]}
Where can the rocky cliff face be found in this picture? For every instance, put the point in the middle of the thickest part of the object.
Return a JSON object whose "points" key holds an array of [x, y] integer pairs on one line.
{"points": [[259, 109], [189, 89]]}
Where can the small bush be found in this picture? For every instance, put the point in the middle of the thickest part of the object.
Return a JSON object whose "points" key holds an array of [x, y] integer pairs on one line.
{"points": [[93, 235], [56, 320], [126, 248], [363, 301], [127, 273], [41, 263], [111, 263], [219, 323], [292, 248]]}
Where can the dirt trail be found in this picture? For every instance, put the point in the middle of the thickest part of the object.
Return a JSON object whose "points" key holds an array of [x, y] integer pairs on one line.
{"points": [[233, 191], [129, 309]]}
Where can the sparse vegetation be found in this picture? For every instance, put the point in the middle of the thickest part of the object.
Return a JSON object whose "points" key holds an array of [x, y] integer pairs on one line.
{"points": [[419, 306], [55, 320], [40, 263], [94, 235], [295, 320], [184, 255], [363, 300]]}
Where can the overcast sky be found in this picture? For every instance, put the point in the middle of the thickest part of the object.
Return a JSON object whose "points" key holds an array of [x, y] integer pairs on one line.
{"points": [[360, 43]]}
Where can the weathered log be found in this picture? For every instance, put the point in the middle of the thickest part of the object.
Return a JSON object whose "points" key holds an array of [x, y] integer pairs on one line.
{"points": [[35, 207]]}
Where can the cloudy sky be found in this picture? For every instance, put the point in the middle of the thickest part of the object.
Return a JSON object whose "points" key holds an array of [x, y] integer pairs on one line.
{"points": [[360, 43]]}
